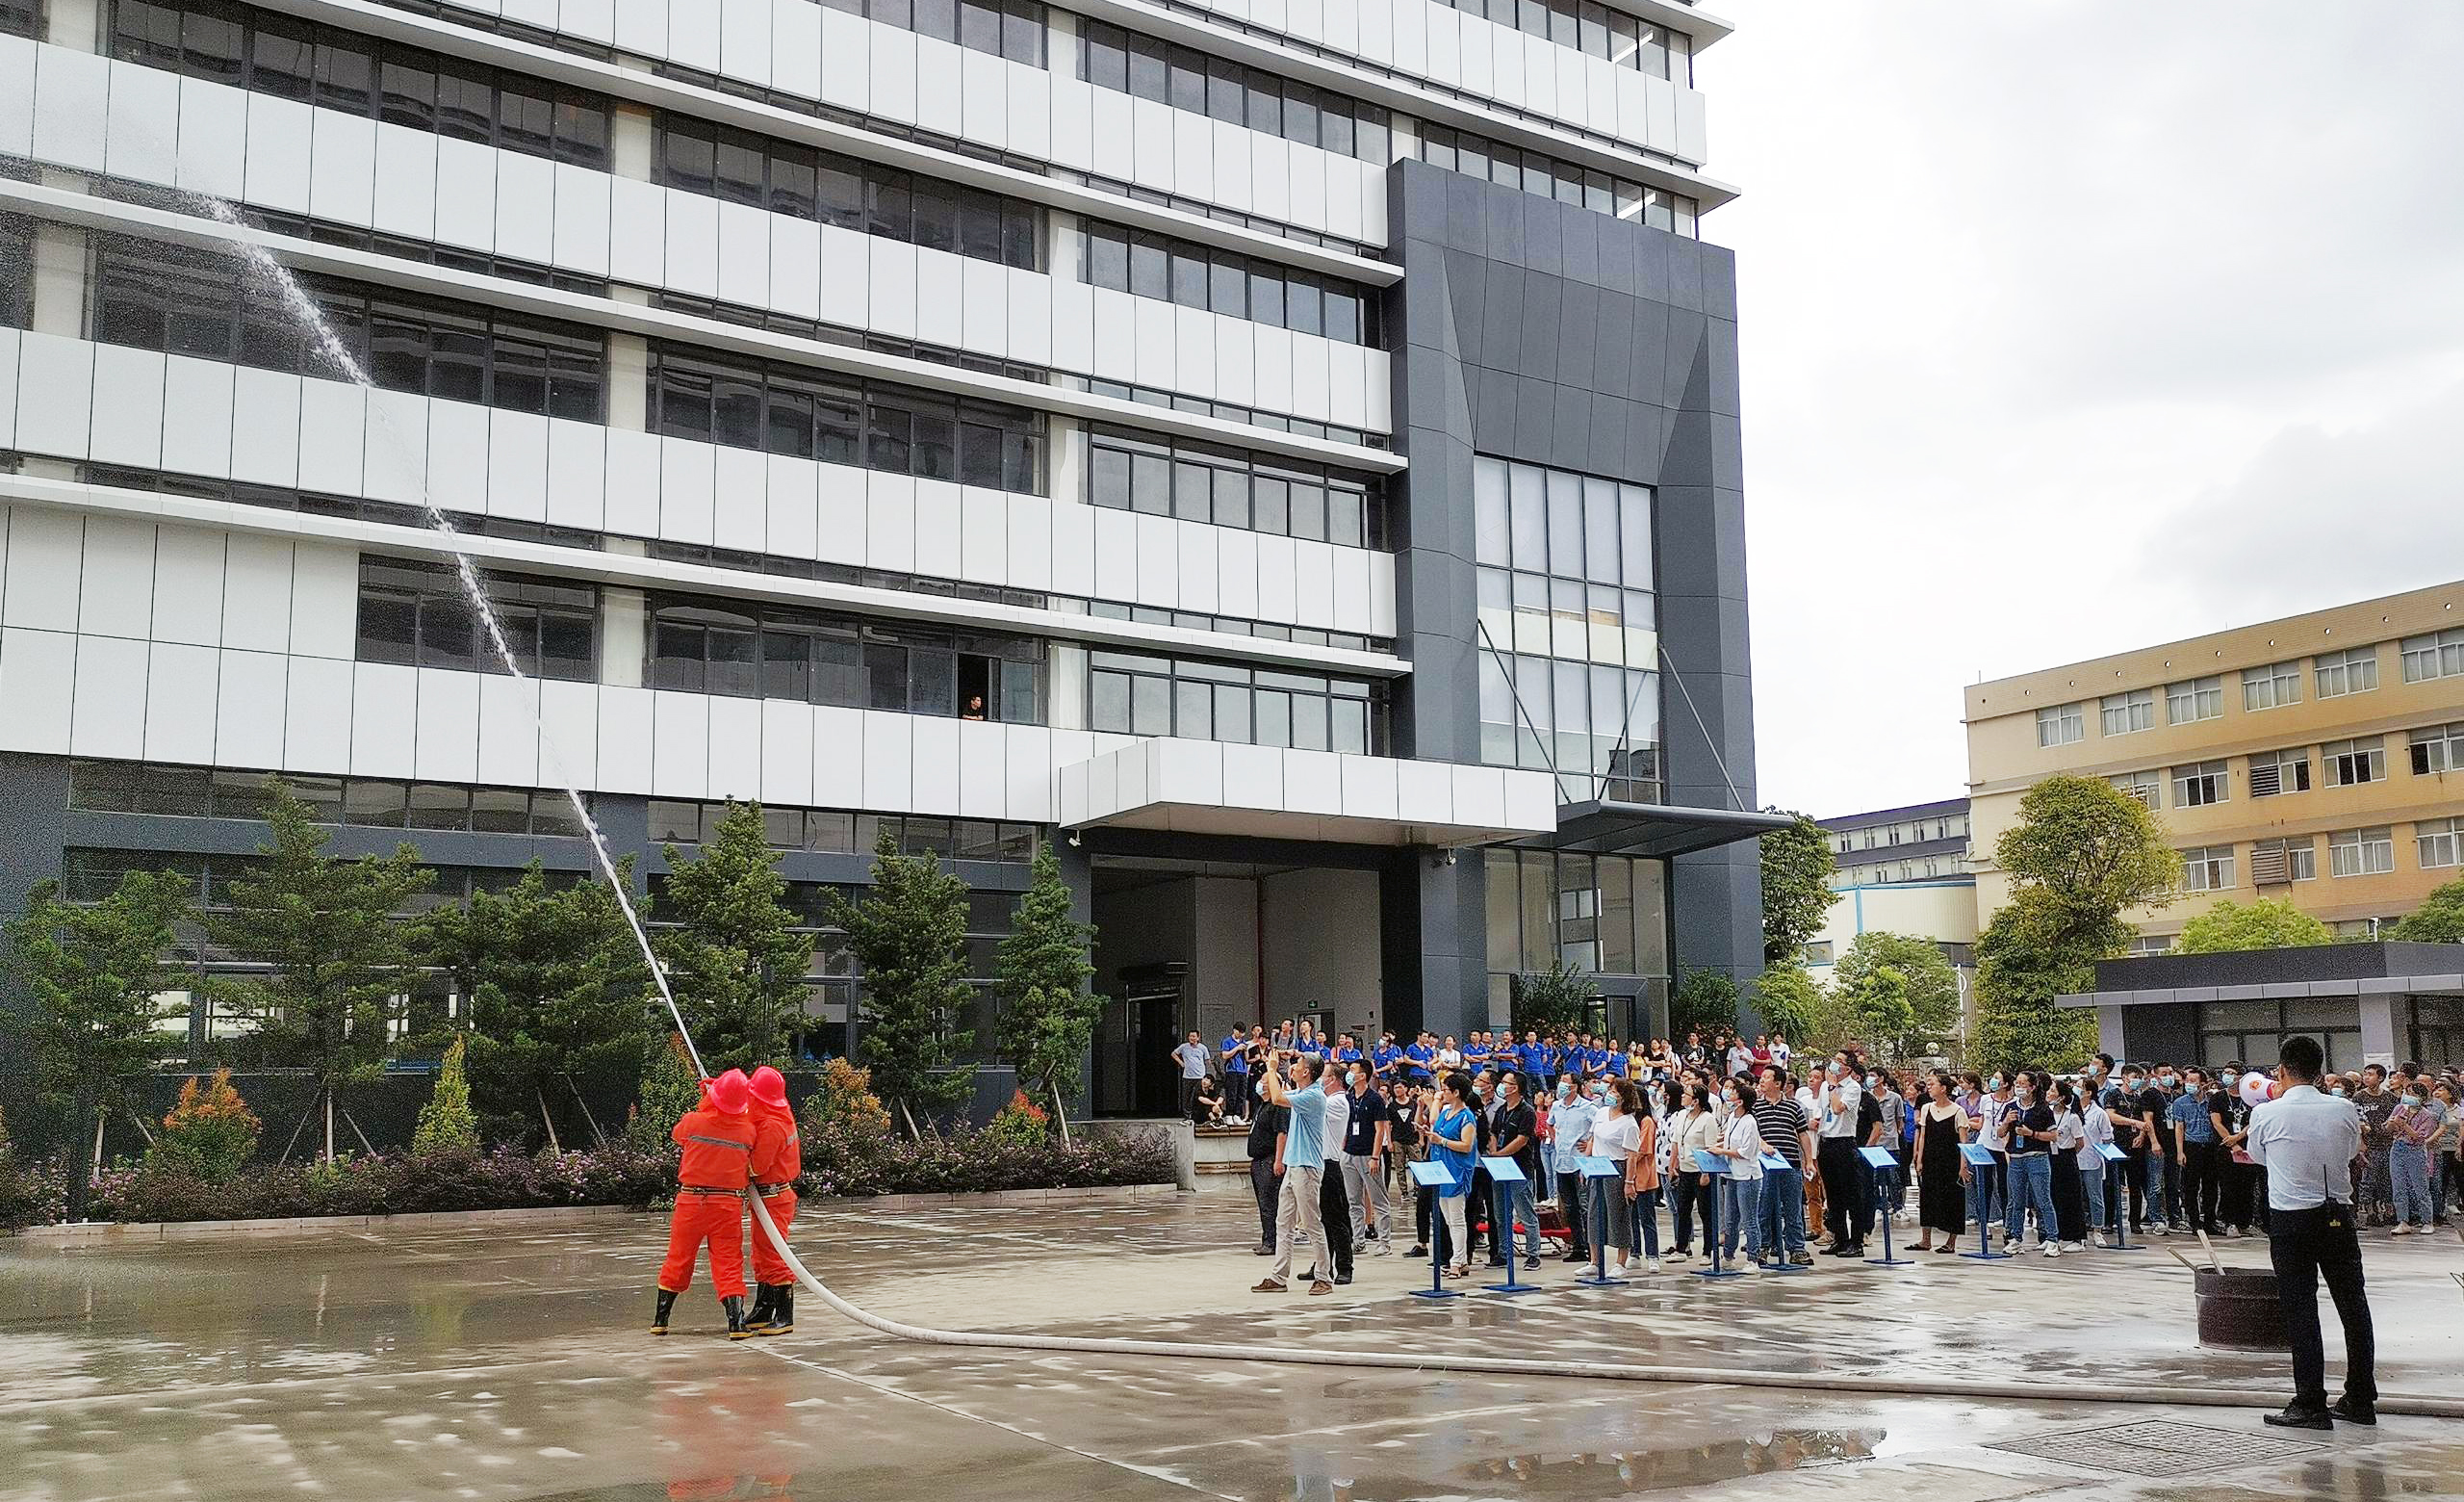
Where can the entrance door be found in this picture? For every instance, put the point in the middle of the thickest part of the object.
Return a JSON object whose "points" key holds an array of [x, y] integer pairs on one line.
{"points": [[1135, 1075]]}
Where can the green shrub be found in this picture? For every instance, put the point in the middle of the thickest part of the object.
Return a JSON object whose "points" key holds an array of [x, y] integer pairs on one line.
{"points": [[210, 1132], [446, 1124], [1020, 1124]]}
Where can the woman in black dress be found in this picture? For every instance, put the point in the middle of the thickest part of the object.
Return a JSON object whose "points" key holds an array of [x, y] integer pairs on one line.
{"points": [[2069, 1197], [1942, 1200]]}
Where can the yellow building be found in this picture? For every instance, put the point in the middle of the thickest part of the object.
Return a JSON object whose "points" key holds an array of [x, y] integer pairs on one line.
{"points": [[2319, 758]]}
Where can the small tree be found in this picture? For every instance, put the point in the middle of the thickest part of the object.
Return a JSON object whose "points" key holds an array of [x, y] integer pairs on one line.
{"points": [[910, 935], [1788, 1002], [210, 1132], [2018, 972], [1047, 1015], [446, 1123], [2266, 924], [1705, 999], [1902, 994], [558, 994], [339, 963], [92, 975], [2082, 851], [1797, 865], [735, 960], [1553, 1000], [2439, 919]]}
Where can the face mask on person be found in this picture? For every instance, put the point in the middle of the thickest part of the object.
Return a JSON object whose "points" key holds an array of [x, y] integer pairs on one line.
{"points": [[2412, 1097], [2130, 1082], [1831, 1069], [1565, 1089], [2173, 1082], [1873, 1082], [1996, 1083], [2230, 1078], [2338, 1092]]}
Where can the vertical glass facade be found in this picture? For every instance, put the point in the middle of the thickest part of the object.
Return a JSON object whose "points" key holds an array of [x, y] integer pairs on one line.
{"points": [[1604, 914], [1569, 628]]}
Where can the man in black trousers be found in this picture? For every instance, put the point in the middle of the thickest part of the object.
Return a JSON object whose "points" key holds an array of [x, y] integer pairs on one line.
{"points": [[2307, 1141]]}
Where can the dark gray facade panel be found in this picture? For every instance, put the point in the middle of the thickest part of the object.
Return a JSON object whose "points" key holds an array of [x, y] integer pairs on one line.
{"points": [[1546, 333]]}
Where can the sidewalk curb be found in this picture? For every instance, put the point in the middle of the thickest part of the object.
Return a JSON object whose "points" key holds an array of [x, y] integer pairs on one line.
{"points": [[113, 1233]]}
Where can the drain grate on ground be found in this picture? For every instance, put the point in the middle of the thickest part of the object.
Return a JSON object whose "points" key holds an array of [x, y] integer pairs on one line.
{"points": [[2158, 1447]]}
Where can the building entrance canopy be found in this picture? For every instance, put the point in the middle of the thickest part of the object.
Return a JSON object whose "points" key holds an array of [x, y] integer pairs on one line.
{"points": [[1215, 787]]}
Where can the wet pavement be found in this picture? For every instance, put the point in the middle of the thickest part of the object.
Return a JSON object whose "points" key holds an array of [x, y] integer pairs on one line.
{"points": [[509, 1362]]}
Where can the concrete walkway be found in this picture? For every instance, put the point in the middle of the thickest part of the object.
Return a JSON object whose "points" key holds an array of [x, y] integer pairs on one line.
{"points": [[509, 1362]]}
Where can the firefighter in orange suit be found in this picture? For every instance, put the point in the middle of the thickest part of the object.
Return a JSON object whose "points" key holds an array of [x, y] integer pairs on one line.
{"points": [[777, 1159], [717, 1138]]}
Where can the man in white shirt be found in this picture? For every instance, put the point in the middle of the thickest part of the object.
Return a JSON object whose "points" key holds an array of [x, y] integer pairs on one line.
{"points": [[1847, 1206], [2306, 1142], [1334, 1204]]}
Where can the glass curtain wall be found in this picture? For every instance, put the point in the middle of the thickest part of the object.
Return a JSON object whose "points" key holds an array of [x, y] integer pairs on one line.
{"points": [[1569, 630]]}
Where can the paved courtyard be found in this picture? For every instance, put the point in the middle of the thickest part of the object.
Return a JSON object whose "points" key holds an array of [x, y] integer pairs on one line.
{"points": [[511, 1362]]}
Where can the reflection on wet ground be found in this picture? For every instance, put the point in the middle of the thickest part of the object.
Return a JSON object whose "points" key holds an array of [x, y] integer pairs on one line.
{"points": [[507, 1362]]}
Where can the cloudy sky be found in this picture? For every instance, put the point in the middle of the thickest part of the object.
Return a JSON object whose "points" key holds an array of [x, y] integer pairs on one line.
{"points": [[2070, 328]]}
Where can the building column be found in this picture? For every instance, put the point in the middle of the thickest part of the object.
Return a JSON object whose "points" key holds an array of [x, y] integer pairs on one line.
{"points": [[2381, 1037], [2110, 1037]]}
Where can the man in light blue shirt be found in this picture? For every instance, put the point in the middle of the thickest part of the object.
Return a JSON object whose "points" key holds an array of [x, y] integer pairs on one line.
{"points": [[1304, 1167], [1569, 1120]]}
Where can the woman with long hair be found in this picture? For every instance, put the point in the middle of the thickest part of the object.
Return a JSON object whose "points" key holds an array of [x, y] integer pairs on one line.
{"points": [[1694, 1129], [2069, 1197], [1741, 1187], [1455, 1135], [1941, 1200], [1617, 1135]]}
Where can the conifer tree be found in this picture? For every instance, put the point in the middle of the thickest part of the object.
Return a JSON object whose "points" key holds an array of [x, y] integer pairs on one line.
{"points": [[1047, 1015], [735, 960], [910, 935]]}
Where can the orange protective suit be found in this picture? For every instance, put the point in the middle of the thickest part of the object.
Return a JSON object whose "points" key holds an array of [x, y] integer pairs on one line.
{"points": [[709, 1199], [778, 1157]]}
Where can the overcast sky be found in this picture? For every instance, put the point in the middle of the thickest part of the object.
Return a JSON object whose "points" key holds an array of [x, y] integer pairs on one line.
{"points": [[2069, 328]]}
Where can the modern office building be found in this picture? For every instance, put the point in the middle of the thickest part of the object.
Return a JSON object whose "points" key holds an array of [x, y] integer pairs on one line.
{"points": [[1288, 454], [2318, 759]]}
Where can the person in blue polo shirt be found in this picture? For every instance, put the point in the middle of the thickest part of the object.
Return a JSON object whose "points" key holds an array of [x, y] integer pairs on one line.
{"points": [[1533, 1057], [1235, 1050], [1385, 1060], [1346, 1053], [1418, 1056]]}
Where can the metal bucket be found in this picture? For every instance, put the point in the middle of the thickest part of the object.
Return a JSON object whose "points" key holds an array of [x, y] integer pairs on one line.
{"points": [[2239, 1311]]}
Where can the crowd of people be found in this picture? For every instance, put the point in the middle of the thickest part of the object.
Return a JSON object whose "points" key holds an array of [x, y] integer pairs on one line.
{"points": [[1334, 1127]]}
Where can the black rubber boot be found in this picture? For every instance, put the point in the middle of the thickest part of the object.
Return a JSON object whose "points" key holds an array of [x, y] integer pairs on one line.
{"points": [[734, 1303], [758, 1320], [666, 1306], [783, 1310]]}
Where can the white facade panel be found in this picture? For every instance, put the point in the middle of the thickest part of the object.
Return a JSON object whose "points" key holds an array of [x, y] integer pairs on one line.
{"points": [[680, 745], [792, 500], [189, 564], [108, 718], [889, 522], [735, 748], [687, 490], [939, 553], [795, 50], [517, 465], [889, 763], [457, 455], [115, 596], [265, 440], [576, 474], [45, 557], [583, 227], [38, 681], [692, 245], [256, 593], [141, 141], [342, 169], [333, 437], [741, 516], [405, 197], [317, 713], [839, 757], [250, 690], [449, 726], [18, 56], [324, 600], [466, 192], [786, 753], [744, 256], [55, 395], [72, 103], [128, 419], [933, 763], [508, 755], [384, 720], [983, 542]]}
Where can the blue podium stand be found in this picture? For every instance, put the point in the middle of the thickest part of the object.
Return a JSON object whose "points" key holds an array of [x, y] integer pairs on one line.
{"points": [[1883, 1163], [2117, 1207], [1605, 1177], [1980, 1159], [1435, 1178], [1504, 1171], [1717, 1167]]}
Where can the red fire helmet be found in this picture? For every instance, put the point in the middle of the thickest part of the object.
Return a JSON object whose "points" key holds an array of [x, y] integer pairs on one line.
{"points": [[770, 1087], [729, 1091]]}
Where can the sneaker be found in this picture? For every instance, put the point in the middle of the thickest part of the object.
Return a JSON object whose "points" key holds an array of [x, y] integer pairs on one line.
{"points": [[2403, 1230], [2101, 1243], [1530, 1264], [2053, 1249], [1679, 1255], [1383, 1247], [1419, 1249], [1271, 1286], [1262, 1251], [1801, 1260], [2075, 1245], [1341, 1280], [2159, 1229], [1651, 1265]]}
